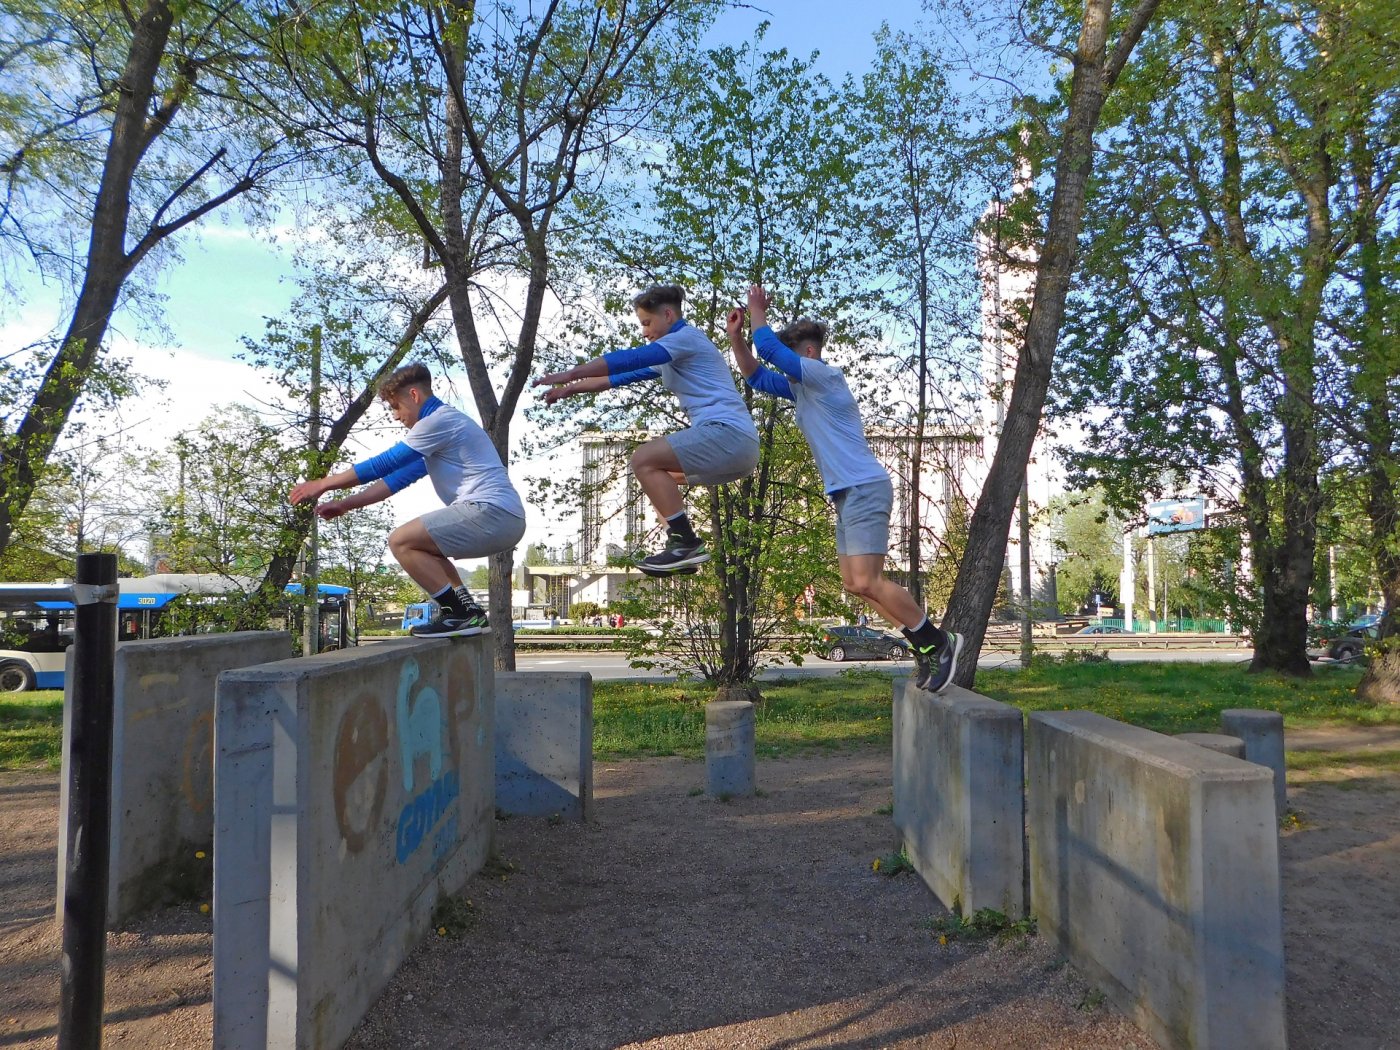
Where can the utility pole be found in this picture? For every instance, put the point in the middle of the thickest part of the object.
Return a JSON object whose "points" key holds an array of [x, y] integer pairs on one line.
{"points": [[1127, 582], [1151, 584], [1332, 580], [311, 595]]}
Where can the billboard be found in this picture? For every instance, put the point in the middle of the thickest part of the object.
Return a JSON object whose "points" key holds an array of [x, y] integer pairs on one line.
{"points": [[1176, 515]]}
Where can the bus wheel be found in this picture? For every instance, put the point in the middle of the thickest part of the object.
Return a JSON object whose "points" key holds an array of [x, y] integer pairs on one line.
{"points": [[15, 677]]}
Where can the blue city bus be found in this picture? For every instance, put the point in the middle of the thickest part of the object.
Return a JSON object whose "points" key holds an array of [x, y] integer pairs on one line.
{"points": [[35, 636]]}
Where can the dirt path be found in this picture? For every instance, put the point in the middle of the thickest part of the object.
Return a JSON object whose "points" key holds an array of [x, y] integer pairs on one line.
{"points": [[675, 921]]}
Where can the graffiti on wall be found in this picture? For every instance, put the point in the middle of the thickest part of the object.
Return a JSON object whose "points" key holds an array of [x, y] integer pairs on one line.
{"points": [[422, 736]]}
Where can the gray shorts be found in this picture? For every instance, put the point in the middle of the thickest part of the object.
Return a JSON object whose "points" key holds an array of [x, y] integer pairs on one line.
{"points": [[713, 453], [863, 518], [473, 530]]}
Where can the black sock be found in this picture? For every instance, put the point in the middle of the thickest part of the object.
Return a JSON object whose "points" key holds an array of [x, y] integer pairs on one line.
{"points": [[924, 634], [451, 601], [468, 601], [679, 525]]}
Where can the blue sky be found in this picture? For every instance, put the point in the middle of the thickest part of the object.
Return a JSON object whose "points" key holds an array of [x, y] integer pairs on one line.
{"points": [[230, 280]]}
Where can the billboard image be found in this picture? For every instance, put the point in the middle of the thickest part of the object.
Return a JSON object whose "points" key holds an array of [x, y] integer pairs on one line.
{"points": [[1176, 515]]}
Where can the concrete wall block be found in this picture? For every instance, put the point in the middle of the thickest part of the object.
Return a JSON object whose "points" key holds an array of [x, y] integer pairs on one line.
{"points": [[163, 766], [1154, 866], [544, 743], [958, 799], [353, 790]]}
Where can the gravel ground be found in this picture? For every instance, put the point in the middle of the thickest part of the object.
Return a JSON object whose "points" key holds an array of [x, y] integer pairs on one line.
{"points": [[677, 921]]}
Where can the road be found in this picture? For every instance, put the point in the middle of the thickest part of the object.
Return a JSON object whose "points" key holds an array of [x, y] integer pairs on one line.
{"points": [[605, 666]]}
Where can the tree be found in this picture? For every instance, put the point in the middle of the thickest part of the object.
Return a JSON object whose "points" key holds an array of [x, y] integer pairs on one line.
{"points": [[228, 506], [1216, 274], [753, 187], [481, 132], [914, 181], [155, 102], [1089, 540], [1095, 71]]}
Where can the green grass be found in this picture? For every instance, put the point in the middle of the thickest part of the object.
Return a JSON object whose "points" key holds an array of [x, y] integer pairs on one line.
{"points": [[852, 709], [637, 719], [1184, 697], [1326, 762], [633, 719], [31, 729]]}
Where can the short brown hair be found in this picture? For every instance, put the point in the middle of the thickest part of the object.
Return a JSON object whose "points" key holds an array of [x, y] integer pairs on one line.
{"points": [[803, 331], [659, 295], [416, 374]]}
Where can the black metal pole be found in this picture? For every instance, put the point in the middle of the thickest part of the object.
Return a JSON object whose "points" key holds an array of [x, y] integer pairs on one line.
{"points": [[89, 803]]}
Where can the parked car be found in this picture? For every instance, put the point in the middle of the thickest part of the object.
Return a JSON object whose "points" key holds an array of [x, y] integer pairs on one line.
{"points": [[1352, 645], [861, 643], [1100, 628]]}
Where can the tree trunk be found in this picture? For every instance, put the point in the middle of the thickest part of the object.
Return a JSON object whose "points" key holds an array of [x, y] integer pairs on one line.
{"points": [[979, 572], [23, 454]]}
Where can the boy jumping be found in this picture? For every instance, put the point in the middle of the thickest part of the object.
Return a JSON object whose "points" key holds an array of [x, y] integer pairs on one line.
{"points": [[721, 443], [858, 485], [483, 515]]}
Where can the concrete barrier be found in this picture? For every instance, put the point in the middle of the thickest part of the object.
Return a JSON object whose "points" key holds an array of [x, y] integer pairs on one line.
{"points": [[353, 791], [958, 801], [163, 766], [1262, 733], [544, 743], [1218, 742], [729, 748], [1154, 865]]}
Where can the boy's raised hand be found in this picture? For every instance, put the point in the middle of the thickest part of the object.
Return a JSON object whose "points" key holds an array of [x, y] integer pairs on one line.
{"points": [[759, 301], [734, 323]]}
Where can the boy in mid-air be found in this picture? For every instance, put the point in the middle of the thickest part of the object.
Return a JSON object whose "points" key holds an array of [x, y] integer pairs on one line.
{"points": [[858, 485], [721, 443], [483, 515]]}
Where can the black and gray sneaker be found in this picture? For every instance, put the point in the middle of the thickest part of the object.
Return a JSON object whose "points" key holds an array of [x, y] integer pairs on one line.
{"points": [[447, 625], [680, 557], [935, 665]]}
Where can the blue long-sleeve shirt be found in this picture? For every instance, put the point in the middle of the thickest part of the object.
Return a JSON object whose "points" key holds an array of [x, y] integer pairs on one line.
{"points": [[690, 366]]}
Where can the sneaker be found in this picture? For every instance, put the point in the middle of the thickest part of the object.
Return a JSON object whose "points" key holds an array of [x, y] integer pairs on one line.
{"points": [[679, 558], [446, 625], [936, 665]]}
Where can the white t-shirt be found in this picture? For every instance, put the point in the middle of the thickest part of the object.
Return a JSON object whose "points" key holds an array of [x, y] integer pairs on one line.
{"points": [[462, 463]]}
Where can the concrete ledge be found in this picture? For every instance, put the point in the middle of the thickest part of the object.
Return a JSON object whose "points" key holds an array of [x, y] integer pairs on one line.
{"points": [[958, 801], [1154, 865], [544, 743], [163, 766], [1218, 742], [352, 791]]}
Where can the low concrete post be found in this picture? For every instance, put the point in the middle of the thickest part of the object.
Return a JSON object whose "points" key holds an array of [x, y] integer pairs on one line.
{"points": [[1262, 733], [729, 744], [1217, 742]]}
